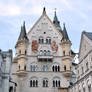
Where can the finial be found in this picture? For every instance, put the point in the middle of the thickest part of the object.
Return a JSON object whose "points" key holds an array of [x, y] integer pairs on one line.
{"points": [[23, 23], [64, 24], [55, 11], [44, 10]]}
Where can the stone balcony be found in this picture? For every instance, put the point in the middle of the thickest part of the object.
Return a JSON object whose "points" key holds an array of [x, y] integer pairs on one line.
{"points": [[21, 73], [45, 58]]}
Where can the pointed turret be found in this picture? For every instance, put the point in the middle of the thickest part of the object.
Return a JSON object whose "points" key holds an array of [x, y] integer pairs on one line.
{"points": [[65, 35], [21, 52], [44, 10], [66, 54], [23, 34], [56, 21]]}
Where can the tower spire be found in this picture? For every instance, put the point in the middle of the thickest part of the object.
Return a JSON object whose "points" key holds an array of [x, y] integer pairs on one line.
{"points": [[23, 35], [44, 10], [55, 20], [65, 35]]}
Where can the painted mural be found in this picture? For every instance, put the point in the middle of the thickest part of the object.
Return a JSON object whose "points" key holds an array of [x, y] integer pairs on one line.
{"points": [[35, 46], [54, 46]]}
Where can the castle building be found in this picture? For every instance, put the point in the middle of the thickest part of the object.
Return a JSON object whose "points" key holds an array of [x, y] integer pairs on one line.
{"points": [[84, 68], [43, 60], [5, 70]]}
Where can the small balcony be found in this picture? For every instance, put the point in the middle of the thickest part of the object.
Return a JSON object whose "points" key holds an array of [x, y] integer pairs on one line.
{"points": [[21, 73], [45, 58]]}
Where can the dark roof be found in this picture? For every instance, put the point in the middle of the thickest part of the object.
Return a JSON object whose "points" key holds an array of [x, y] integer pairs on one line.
{"points": [[44, 10], [65, 35], [75, 64], [23, 34], [88, 34], [56, 21]]}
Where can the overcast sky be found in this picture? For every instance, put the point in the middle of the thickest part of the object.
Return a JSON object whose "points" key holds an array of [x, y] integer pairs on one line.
{"points": [[76, 14]]}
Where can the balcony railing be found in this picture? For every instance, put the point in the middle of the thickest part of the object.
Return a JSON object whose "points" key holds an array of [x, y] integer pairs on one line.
{"points": [[45, 58]]}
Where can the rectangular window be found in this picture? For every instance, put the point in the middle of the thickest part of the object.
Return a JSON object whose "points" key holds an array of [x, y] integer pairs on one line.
{"points": [[89, 88], [82, 70], [83, 89], [87, 66]]}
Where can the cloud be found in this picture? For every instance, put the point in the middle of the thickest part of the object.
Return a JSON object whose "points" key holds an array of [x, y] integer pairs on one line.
{"points": [[9, 9], [30, 7]]}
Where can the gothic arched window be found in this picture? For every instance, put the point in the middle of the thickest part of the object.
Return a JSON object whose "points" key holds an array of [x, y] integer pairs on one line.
{"points": [[34, 83], [56, 68], [45, 53], [31, 83], [48, 53], [45, 68], [45, 83], [53, 68], [56, 83], [41, 40], [33, 67], [48, 40]]}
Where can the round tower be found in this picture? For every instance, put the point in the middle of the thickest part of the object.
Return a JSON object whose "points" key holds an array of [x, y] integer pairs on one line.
{"points": [[21, 52], [66, 54]]}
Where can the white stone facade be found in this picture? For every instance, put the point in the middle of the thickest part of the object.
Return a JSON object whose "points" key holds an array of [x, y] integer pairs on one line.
{"points": [[84, 68], [41, 68], [5, 69]]}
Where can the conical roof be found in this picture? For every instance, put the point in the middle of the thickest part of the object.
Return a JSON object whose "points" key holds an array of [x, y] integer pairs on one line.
{"points": [[56, 21], [65, 35], [23, 34]]}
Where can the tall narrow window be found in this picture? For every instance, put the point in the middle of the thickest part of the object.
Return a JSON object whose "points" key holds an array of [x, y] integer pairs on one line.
{"points": [[59, 83], [56, 83], [41, 40], [86, 66], [19, 52], [64, 67], [58, 68], [53, 68], [83, 89], [31, 83], [45, 53], [45, 68], [36, 83], [11, 89], [89, 88], [19, 67], [53, 83], [48, 40], [45, 83], [48, 53], [25, 67], [63, 53], [25, 52], [82, 70]]}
